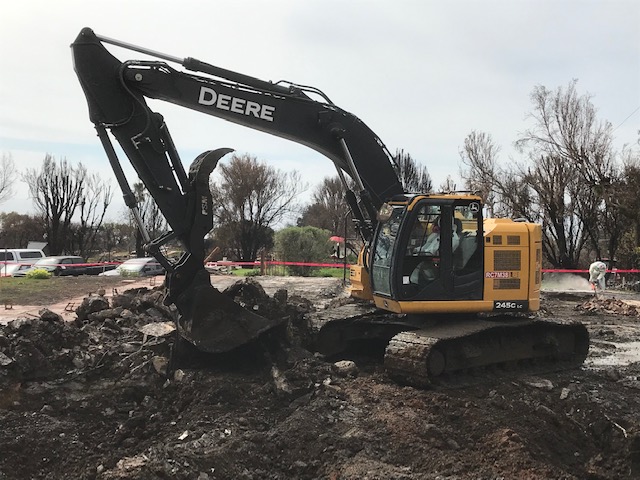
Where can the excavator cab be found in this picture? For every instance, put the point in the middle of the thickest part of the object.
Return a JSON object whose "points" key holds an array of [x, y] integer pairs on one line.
{"points": [[430, 249], [437, 253]]}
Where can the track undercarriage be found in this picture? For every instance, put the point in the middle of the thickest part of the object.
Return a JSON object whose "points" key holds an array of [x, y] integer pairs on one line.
{"points": [[421, 352]]}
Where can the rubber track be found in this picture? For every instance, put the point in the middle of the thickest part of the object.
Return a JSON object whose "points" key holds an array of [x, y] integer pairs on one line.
{"points": [[466, 353]]}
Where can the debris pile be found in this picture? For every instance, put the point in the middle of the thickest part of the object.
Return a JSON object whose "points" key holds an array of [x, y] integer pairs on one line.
{"points": [[99, 398], [610, 306], [103, 335], [37, 348]]}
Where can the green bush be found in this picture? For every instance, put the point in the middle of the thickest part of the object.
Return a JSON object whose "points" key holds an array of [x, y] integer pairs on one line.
{"points": [[331, 272], [128, 273], [38, 273], [303, 244], [241, 272]]}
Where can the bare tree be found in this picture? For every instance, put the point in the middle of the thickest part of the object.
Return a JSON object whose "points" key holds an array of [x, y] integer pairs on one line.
{"points": [[56, 191], [566, 127], [95, 199], [249, 199], [7, 176], [572, 161], [413, 177], [150, 214], [480, 156], [449, 185], [328, 208], [628, 202], [115, 236], [555, 189]]}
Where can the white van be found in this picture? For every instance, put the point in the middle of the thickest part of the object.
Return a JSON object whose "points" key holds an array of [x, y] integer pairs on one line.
{"points": [[22, 256]]}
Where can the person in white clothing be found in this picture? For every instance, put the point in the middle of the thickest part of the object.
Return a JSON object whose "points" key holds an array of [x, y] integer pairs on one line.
{"points": [[428, 270], [432, 244], [597, 272]]}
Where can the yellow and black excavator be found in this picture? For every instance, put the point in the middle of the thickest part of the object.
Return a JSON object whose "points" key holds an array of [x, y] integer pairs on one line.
{"points": [[461, 282]]}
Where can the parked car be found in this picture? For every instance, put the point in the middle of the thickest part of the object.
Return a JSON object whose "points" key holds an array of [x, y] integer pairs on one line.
{"points": [[137, 267], [8, 269], [21, 256], [65, 265]]}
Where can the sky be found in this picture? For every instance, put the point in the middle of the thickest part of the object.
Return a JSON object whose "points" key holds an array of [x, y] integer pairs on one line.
{"points": [[421, 74]]}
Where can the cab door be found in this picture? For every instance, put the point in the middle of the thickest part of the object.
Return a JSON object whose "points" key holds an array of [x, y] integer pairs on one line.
{"points": [[439, 255]]}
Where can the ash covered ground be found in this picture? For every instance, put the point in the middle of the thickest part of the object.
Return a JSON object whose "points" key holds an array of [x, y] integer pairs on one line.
{"points": [[99, 397]]}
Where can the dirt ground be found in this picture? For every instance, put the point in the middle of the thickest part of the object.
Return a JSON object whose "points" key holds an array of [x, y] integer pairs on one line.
{"points": [[91, 398]]}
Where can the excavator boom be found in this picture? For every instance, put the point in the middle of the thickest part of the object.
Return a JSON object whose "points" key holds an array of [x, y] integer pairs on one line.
{"points": [[116, 94]]}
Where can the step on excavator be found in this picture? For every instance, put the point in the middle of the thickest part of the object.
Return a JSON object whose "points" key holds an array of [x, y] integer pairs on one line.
{"points": [[458, 289]]}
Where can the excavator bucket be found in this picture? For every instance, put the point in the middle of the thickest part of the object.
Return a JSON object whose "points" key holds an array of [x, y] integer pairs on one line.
{"points": [[208, 319], [213, 322]]}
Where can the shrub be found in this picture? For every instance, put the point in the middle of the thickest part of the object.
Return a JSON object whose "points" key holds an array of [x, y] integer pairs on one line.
{"points": [[128, 273], [330, 272], [38, 273], [254, 272], [303, 244]]}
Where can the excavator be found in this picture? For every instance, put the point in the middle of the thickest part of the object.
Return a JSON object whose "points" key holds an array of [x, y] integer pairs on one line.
{"points": [[459, 289]]}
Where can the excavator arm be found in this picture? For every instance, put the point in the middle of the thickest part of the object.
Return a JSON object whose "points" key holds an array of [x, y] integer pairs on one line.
{"points": [[116, 94]]}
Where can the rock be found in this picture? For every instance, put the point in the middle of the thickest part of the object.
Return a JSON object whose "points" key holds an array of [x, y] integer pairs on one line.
{"points": [[156, 313], [124, 301], [541, 383], [4, 360], [110, 325], [109, 313], [452, 444], [47, 315], [78, 362], [160, 364], [279, 381], [546, 410], [91, 305], [158, 329], [346, 368], [152, 299], [281, 296], [613, 374], [129, 347]]}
